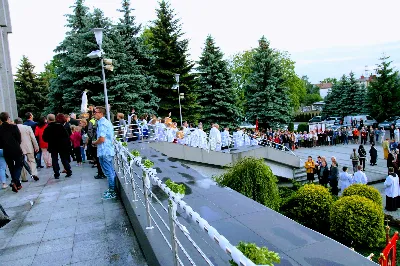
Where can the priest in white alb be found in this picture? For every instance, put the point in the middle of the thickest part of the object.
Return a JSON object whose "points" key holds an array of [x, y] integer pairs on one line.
{"points": [[225, 139], [391, 190]]}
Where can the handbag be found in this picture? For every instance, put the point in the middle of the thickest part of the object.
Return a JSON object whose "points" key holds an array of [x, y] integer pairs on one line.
{"points": [[4, 219]]}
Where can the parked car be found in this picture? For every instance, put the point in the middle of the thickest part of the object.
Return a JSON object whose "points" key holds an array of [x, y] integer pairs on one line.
{"points": [[395, 120], [333, 120], [367, 120], [315, 119]]}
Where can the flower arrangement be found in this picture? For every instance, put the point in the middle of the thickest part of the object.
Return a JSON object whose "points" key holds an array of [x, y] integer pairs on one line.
{"points": [[257, 255], [135, 153]]}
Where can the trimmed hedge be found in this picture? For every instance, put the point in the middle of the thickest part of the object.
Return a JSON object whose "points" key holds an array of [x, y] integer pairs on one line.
{"points": [[357, 222], [310, 206], [254, 179], [364, 191], [302, 127]]}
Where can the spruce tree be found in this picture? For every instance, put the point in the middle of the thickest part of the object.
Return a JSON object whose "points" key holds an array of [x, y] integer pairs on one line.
{"points": [[362, 100], [350, 95], [130, 85], [77, 72], [332, 105], [29, 93], [384, 91], [165, 36], [266, 93], [216, 95]]}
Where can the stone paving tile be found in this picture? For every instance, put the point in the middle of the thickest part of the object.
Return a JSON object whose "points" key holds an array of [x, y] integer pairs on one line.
{"points": [[55, 258], [56, 245], [18, 252], [63, 222], [59, 233], [18, 240]]}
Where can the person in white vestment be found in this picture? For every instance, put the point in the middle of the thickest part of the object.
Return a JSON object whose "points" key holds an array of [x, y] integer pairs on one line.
{"points": [[392, 190], [215, 138], [219, 138], [247, 140], [359, 176], [238, 138], [202, 138], [162, 131], [225, 139], [170, 133], [187, 133], [195, 138], [345, 179]]}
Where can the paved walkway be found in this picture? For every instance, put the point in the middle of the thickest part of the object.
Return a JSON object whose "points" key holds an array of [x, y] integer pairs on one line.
{"points": [[66, 222]]}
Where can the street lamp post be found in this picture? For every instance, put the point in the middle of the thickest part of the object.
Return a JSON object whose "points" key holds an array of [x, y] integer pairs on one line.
{"points": [[179, 96], [98, 33]]}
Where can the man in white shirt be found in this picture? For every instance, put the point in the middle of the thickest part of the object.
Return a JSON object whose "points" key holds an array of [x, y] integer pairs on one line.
{"points": [[360, 177]]}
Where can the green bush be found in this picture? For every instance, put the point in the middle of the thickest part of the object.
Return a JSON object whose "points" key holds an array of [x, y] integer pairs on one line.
{"points": [[254, 179], [259, 256], [310, 206], [364, 191], [357, 221], [302, 127], [291, 127]]}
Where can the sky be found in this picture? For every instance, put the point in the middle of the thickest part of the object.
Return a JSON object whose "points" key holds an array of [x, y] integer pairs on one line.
{"points": [[325, 39]]}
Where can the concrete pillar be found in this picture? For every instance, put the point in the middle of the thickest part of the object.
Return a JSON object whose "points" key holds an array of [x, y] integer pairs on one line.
{"points": [[8, 102]]}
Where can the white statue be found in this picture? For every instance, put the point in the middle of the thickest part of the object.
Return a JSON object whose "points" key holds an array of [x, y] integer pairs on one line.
{"points": [[84, 105]]}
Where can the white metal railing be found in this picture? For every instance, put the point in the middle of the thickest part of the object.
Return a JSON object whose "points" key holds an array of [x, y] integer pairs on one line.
{"points": [[141, 184]]}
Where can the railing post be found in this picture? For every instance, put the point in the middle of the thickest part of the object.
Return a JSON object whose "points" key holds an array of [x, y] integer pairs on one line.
{"points": [[132, 176], [172, 216], [146, 185]]}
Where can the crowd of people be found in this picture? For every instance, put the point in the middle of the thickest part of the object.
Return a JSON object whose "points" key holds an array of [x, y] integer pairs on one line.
{"points": [[26, 146]]}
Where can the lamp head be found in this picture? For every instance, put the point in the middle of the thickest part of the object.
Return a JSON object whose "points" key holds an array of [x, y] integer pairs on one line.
{"points": [[98, 33], [177, 77], [95, 54]]}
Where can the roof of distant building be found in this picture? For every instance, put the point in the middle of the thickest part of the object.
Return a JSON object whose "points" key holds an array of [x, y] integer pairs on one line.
{"points": [[324, 85]]}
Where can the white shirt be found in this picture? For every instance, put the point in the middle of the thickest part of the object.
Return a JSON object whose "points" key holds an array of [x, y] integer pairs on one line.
{"points": [[392, 186], [345, 180], [225, 140], [360, 177], [215, 138]]}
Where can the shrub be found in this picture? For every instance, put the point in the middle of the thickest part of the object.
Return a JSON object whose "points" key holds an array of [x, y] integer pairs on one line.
{"points": [[176, 188], [259, 256], [364, 191], [310, 206], [291, 127], [302, 127], [254, 179], [357, 221]]}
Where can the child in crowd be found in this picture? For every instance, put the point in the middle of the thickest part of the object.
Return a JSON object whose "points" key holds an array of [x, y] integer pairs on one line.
{"points": [[76, 139]]}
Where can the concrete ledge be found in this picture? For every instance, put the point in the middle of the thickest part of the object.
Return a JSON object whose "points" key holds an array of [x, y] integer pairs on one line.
{"points": [[224, 158]]}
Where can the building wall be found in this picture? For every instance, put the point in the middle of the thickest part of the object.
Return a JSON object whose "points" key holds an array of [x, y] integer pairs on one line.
{"points": [[8, 102], [324, 92]]}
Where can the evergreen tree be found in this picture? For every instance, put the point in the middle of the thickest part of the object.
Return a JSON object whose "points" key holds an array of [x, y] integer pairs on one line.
{"points": [[362, 100], [384, 91], [266, 93], [350, 93], [332, 105], [30, 95], [216, 95], [130, 85], [171, 51], [77, 72]]}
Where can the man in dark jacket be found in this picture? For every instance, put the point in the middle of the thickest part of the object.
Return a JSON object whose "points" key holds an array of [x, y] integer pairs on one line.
{"points": [[10, 142], [57, 138]]}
